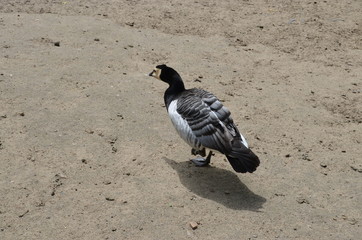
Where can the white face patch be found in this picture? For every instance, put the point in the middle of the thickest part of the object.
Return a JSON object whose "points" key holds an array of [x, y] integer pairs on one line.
{"points": [[156, 73]]}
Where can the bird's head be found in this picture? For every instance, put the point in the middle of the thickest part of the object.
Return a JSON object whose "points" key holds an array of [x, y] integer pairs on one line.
{"points": [[164, 73]]}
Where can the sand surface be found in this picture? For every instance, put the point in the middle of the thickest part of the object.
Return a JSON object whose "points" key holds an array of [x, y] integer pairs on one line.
{"points": [[87, 150]]}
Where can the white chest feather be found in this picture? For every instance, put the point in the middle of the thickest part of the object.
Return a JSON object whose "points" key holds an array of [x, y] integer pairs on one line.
{"points": [[182, 127]]}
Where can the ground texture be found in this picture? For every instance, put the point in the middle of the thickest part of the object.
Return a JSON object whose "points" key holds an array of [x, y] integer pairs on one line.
{"points": [[87, 150]]}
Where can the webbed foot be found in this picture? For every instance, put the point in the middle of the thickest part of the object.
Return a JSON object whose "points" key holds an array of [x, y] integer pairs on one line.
{"points": [[202, 162]]}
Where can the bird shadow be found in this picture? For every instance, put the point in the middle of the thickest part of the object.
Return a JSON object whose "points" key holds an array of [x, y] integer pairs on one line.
{"points": [[217, 184]]}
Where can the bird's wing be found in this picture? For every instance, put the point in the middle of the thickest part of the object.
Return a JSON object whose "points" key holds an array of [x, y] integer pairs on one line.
{"points": [[208, 119]]}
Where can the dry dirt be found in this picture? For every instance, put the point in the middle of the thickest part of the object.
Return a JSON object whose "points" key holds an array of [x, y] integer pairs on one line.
{"points": [[87, 150]]}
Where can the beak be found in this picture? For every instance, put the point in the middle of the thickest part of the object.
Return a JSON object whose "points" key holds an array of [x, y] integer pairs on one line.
{"points": [[151, 73]]}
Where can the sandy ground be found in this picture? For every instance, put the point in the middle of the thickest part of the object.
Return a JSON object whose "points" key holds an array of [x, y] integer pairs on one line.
{"points": [[87, 150]]}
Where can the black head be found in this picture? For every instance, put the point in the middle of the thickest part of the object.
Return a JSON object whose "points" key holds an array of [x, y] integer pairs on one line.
{"points": [[164, 73]]}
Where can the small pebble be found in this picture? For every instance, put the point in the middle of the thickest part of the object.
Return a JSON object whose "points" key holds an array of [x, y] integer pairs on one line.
{"points": [[89, 131], [113, 140], [302, 200], [356, 168], [57, 44], [193, 225], [323, 165], [306, 157], [60, 175]]}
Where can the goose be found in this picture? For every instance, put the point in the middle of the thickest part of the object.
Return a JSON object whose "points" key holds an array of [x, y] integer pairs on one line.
{"points": [[203, 122]]}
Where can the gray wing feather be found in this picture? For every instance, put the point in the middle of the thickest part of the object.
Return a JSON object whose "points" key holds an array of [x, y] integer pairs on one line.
{"points": [[208, 119]]}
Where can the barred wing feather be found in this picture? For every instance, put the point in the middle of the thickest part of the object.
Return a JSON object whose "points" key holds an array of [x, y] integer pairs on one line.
{"points": [[208, 119]]}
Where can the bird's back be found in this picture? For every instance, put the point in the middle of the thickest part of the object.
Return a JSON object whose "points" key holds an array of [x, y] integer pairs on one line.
{"points": [[209, 120]]}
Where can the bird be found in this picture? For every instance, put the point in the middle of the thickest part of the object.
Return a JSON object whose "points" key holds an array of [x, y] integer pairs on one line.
{"points": [[204, 123]]}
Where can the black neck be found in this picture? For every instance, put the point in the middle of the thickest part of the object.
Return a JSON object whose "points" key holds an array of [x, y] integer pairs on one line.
{"points": [[176, 87]]}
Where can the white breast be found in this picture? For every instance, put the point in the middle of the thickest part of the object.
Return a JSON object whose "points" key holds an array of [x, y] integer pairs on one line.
{"points": [[182, 127]]}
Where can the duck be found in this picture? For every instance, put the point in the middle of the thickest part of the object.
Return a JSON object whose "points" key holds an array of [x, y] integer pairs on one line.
{"points": [[204, 123]]}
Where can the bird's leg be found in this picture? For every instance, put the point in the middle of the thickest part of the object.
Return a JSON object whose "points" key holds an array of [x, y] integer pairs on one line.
{"points": [[201, 162], [198, 152], [193, 151], [208, 158]]}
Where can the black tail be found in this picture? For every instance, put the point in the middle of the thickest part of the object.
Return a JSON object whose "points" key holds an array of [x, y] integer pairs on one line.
{"points": [[243, 160]]}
